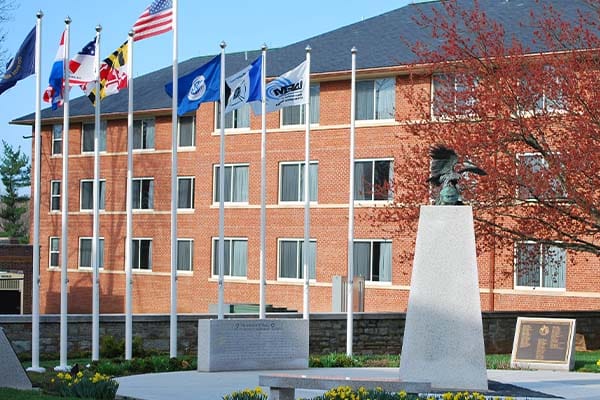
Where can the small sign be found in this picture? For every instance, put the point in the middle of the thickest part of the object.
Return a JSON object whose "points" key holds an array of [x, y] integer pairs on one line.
{"points": [[544, 343]]}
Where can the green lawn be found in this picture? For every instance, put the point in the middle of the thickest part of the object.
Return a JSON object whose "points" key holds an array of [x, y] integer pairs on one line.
{"points": [[14, 394]]}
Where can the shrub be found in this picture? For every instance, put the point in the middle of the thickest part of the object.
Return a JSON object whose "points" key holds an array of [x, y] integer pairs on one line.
{"points": [[346, 392], [334, 360], [84, 384], [113, 348], [247, 394]]}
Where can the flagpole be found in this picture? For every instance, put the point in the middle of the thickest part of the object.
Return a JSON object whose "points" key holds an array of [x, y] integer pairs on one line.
{"points": [[128, 205], [35, 297], [349, 303], [173, 330], [96, 218], [263, 184], [221, 283], [306, 244], [64, 206]]}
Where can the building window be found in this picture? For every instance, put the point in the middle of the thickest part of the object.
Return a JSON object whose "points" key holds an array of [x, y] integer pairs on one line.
{"points": [[143, 134], [372, 179], [54, 252], [291, 186], [236, 184], [373, 260], [540, 265], [142, 254], [87, 137], [185, 192], [294, 115], [57, 137], [453, 94], [54, 195], [87, 199], [143, 193], [187, 132], [185, 254], [375, 99], [85, 252], [236, 257], [235, 119], [536, 181], [291, 262]]}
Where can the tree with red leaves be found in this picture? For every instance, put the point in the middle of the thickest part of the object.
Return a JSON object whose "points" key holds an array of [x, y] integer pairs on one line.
{"points": [[526, 113]]}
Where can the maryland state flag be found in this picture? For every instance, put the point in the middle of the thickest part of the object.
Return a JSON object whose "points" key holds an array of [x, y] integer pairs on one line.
{"points": [[113, 75]]}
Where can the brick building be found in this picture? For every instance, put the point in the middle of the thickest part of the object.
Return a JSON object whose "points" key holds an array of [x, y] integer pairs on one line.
{"points": [[382, 114]]}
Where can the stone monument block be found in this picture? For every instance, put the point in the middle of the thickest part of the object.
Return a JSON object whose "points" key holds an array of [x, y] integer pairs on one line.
{"points": [[443, 335], [252, 344], [12, 374]]}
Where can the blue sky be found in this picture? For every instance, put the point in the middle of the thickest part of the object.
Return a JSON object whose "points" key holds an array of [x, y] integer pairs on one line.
{"points": [[244, 25]]}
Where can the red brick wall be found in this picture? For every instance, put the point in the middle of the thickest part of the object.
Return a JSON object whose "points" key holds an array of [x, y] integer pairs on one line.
{"points": [[329, 146]]}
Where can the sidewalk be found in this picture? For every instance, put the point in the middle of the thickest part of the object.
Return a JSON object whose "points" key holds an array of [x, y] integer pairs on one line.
{"points": [[192, 385]]}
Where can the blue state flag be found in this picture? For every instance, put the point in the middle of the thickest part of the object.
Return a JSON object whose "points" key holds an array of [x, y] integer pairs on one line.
{"points": [[200, 86], [21, 65], [244, 86]]}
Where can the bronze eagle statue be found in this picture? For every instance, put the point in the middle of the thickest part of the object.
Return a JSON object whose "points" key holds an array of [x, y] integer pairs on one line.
{"points": [[446, 172]]}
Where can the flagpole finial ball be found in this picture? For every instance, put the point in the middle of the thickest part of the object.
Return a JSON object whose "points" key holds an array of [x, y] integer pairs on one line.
{"points": [[308, 48], [98, 28], [131, 33], [353, 50], [264, 47], [223, 44], [39, 14], [68, 20]]}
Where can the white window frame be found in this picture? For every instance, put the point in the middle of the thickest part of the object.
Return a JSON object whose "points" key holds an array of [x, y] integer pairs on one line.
{"points": [[140, 194], [103, 130], [533, 199], [371, 242], [300, 247], [540, 266], [375, 111], [53, 196], [50, 251], [143, 121], [301, 108], [138, 269], [300, 164], [100, 182], [193, 145], [233, 113], [216, 188], [192, 193], [215, 248], [390, 178], [54, 140], [191, 242], [91, 239]]}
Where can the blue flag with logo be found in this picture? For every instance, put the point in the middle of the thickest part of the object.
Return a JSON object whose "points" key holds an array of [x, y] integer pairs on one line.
{"points": [[21, 65], [244, 86], [200, 86]]}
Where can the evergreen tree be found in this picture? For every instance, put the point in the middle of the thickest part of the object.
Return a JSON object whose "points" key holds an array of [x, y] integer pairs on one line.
{"points": [[15, 173]]}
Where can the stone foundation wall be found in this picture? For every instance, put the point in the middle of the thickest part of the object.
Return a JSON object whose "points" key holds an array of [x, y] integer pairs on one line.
{"points": [[374, 333]]}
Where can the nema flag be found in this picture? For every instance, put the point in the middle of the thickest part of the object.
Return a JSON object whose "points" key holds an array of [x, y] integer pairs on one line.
{"points": [[244, 86], [83, 66], [21, 65], [199, 86], [289, 89], [113, 75], [53, 94]]}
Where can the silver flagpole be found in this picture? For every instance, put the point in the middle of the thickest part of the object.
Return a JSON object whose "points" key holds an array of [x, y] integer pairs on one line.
{"points": [[306, 244], [263, 184], [96, 218], [128, 206], [35, 297], [349, 303], [64, 256], [173, 325], [221, 283]]}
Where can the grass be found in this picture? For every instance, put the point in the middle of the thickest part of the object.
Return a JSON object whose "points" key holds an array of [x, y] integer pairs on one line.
{"points": [[14, 394]]}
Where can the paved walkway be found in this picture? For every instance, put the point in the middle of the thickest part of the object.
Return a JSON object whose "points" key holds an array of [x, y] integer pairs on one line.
{"points": [[192, 385]]}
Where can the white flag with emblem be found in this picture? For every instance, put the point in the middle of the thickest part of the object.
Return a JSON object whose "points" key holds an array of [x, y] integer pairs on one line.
{"points": [[289, 89]]}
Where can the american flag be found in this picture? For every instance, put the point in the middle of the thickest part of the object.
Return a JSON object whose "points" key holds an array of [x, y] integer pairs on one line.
{"points": [[156, 19]]}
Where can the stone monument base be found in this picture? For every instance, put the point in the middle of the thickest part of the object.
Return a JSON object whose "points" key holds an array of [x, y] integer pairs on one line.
{"points": [[443, 335], [12, 374], [252, 344]]}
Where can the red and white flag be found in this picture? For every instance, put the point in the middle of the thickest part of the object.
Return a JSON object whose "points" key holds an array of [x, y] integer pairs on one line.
{"points": [[155, 20]]}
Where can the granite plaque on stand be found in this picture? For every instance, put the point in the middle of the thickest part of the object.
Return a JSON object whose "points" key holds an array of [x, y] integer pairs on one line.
{"points": [[12, 374], [252, 344], [443, 335], [544, 343]]}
